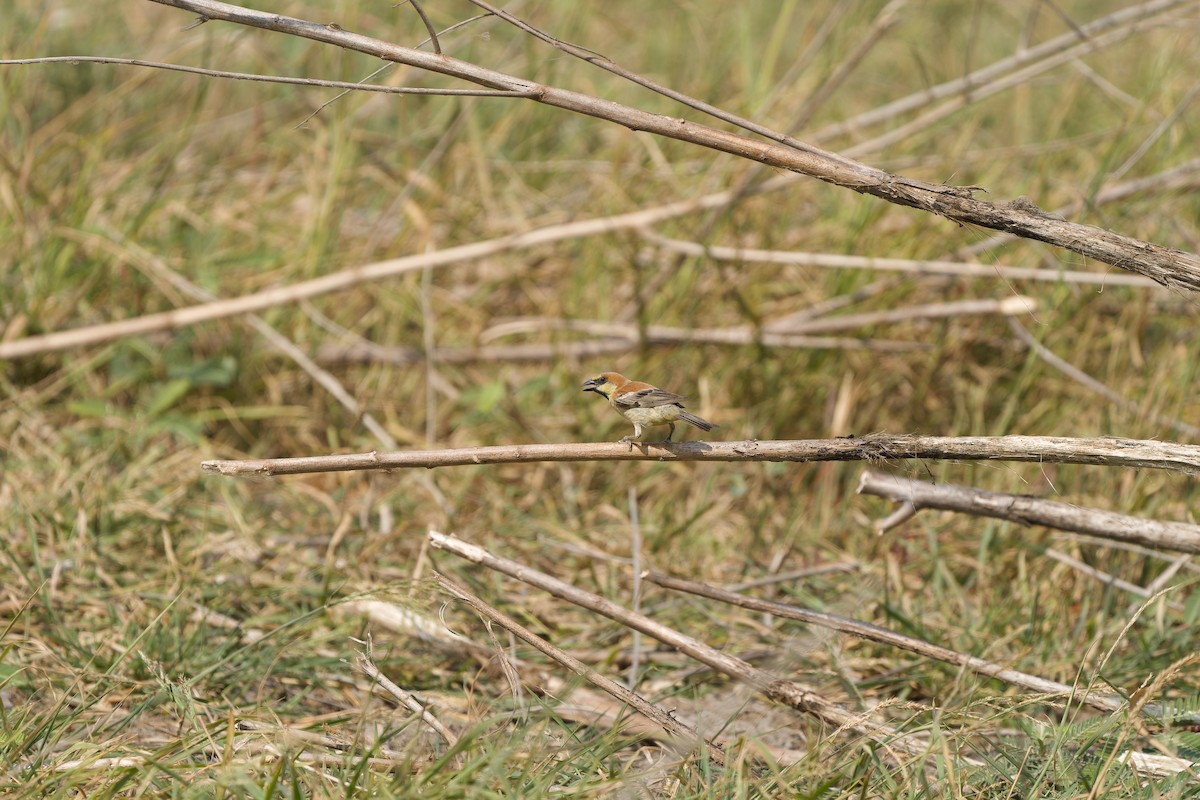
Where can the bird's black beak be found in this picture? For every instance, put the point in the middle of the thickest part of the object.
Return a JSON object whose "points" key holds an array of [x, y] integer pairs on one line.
{"points": [[590, 385]]}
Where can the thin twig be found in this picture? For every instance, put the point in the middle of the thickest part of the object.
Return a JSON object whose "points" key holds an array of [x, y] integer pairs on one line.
{"points": [[353, 276], [966, 84], [1176, 536], [796, 695], [406, 698], [912, 266], [673, 729], [1111, 452], [1020, 77], [795, 575], [1098, 574], [248, 76], [367, 352], [635, 549], [437, 47], [1074, 373], [884, 21], [1166, 265], [384, 68], [874, 633], [1006, 306], [607, 64]]}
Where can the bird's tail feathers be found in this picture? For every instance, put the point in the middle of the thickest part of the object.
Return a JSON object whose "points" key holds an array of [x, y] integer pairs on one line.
{"points": [[702, 424]]}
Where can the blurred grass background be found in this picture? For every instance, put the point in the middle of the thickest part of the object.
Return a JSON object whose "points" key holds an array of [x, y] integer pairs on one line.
{"points": [[116, 552]]}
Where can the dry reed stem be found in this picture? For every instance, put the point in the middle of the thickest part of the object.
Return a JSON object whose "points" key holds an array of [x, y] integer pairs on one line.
{"points": [[1177, 536], [1020, 77], [1112, 452], [791, 693], [874, 633], [405, 697], [353, 276], [969, 83], [777, 331], [671, 729], [1073, 372], [248, 76], [1107, 578], [1166, 265], [367, 352], [911, 266]]}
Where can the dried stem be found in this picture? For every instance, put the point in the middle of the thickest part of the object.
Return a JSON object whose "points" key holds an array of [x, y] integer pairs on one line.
{"points": [[405, 697], [911, 266], [874, 633], [1073, 372], [796, 695], [967, 85], [1177, 536], [364, 351], [248, 76], [673, 729], [433, 38], [1165, 265], [1112, 452], [1100, 575], [776, 332], [353, 276]]}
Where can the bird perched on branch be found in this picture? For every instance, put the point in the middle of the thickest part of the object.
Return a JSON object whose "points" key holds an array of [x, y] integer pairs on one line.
{"points": [[644, 405]]}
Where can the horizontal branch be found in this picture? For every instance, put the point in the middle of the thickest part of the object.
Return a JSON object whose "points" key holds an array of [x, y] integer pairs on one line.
{"points": [[1147, 454], [367, 352], [911, 266], [1022, 218], [1177, 536]]}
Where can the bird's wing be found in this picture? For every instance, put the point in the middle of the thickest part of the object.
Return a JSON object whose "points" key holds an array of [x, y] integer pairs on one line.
{"points": [[649, 397]]}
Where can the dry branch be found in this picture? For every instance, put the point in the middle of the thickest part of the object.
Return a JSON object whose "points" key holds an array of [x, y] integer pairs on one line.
{"points": [[796, 695], [1165, 265], [1107, 578], [670, 729], [874, 633], [1076, 374], [1178, 536], [967, 85], [247, 76], [1146, 454], [775, 332], [405, 697], [911, 266], [353, 276], [367, 352]]}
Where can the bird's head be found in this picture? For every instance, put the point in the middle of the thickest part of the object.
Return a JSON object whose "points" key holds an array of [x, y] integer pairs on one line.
{"points": [[605, 383]]}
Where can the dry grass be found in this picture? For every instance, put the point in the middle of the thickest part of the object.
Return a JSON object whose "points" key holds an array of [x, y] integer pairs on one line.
{"points": [[151, 613]]}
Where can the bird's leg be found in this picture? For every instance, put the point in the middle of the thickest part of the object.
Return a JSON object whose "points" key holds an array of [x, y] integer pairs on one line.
{"points": [[670, 430], [635, 436]]}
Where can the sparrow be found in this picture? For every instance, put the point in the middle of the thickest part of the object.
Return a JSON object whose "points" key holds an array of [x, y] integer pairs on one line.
{"points": [[642, 404]]}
